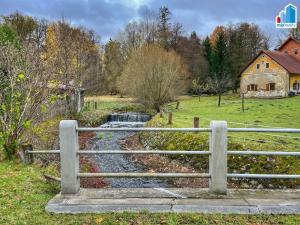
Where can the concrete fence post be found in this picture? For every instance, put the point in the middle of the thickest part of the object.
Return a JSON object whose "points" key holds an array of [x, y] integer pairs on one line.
{"points": [[69, 158], [218, 157]]}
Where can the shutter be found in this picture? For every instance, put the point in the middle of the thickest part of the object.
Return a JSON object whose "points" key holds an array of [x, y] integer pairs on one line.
{"points": [[248, 87], [272, 87], [267, 87]]}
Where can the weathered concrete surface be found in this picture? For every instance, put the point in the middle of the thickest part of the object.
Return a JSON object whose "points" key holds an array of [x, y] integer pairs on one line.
{"points": [[177, 200], [69, 159], [218, 157]]}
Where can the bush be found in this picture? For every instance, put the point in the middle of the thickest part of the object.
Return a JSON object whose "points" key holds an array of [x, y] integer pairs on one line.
{"points": [[154, 76]]}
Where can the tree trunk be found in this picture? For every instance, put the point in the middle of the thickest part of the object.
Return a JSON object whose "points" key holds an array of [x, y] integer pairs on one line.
{"points": [[219, 102], [11, 145], [10, 150], [157, 108]]}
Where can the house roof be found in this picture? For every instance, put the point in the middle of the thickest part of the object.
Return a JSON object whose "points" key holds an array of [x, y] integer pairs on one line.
{"points": [[291, 64], [288, 40]]}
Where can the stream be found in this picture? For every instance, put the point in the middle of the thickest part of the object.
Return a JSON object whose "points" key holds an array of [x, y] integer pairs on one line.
{"points": [[120, 162]]}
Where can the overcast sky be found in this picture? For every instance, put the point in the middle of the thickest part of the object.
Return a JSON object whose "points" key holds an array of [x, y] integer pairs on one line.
{"points": [[107, 17]]}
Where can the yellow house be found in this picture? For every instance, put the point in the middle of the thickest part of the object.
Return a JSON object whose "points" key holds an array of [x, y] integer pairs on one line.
{"points": [[273, 73]]}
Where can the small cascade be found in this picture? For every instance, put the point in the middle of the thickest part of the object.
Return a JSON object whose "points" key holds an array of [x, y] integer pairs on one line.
{"points": [[129, 117]]}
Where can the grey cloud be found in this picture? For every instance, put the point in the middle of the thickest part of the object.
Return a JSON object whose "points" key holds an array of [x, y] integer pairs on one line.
{"points": [[107, 17]]}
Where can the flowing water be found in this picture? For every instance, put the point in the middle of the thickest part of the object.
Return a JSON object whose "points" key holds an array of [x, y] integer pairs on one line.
{"points": [[121, 162]]}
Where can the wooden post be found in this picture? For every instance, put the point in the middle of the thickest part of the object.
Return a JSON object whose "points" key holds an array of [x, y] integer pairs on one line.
{"points": [[170, 118], [243, 104], [196, 122], [177, 104], [96, 105], [26, 157]]}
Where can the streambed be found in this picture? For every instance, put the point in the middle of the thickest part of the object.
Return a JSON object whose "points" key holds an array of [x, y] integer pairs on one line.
{"points": [[120, 162]]}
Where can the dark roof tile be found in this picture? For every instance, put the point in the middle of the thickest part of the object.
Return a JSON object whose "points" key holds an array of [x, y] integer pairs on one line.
{"points": [[288, 62]]}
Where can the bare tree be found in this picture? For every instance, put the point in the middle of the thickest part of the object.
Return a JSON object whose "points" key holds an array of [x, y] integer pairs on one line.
{"points": [[200, 87], [153, 76], [219, 84]]}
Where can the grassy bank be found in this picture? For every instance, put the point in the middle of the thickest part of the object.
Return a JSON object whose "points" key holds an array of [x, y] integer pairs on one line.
{"points": [[24, 194], [114, 103], [261, 113]]}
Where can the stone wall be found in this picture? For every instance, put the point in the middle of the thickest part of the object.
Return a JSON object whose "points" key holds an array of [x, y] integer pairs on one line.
{"points": [[262, 76]]}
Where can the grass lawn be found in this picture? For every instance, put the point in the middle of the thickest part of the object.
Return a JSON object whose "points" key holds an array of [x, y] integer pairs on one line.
{"points": [[284, 112], [111, 102], [24, 194], [261, 113]]}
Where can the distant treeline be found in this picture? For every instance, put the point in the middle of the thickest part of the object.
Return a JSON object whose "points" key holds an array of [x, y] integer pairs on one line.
{"points": [[74, 54]]}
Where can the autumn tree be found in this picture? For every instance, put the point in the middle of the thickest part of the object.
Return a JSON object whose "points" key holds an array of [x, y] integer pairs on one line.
{"points": [[31, 33], [192, 53], [215, 34], [113, 65], [244, 42], [241, 41], [68, 53], [23, 26], [153, 76], [23, 91]]}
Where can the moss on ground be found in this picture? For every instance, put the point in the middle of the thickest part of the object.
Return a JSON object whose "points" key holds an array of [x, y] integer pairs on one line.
{"points": [[259, 113]]}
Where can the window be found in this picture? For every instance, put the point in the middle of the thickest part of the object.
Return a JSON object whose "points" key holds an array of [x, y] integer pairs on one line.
{"points": [[296, 86], [296, 51], [257, 66], [267, 65], [270, 87], [252, 87]]}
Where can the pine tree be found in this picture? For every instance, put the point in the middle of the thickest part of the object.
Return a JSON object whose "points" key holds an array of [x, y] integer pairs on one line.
{"points": [[208, 52], [220, 78], [164, 27]]}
